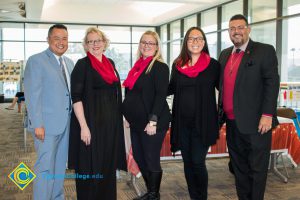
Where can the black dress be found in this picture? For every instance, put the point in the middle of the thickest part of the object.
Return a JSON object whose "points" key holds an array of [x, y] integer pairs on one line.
{"points": [[106, 153]]}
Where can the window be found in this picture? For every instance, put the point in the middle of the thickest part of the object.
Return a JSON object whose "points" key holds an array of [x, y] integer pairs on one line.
{"points": [[226, 42], [190, 22], [291, 7], [260, 10], [36, 32], [212, 44], [290, 62], [117, 34], [120, 54], [227, 13], [175, 30], [77, 32], [265, 32], [12, 31], [209, 20], [137, 32], [174, 51]]}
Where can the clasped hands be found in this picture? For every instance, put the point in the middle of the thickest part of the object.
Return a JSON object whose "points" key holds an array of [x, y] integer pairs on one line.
{"points": [[150, 130]]}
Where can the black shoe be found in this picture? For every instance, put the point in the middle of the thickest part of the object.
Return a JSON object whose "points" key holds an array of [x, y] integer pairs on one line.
{"points": [[154, 185]]}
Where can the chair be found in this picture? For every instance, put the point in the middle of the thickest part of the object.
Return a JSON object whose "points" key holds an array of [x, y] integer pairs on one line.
{"points": [[290, 114]]}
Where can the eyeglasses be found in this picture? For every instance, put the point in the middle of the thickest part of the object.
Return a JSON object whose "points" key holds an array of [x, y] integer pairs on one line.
{"points": [[94, 42], [238, 28], [193, 39], [151, 44]]}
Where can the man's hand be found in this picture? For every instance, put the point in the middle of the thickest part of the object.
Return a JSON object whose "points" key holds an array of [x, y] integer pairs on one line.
{"points": [[265, 124], [40, 133], [86, 135], [150, 130]]}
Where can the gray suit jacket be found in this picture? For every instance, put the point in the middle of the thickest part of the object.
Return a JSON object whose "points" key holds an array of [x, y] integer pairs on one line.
{"points": [[47, 96]]}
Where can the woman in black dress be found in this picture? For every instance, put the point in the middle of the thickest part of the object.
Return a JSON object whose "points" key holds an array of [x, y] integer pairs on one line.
{"points": [[146, 110], [97, 146], [194, 127]]}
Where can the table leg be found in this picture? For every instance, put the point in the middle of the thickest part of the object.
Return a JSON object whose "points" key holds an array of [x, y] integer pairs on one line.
{"points": [[273, 168]]}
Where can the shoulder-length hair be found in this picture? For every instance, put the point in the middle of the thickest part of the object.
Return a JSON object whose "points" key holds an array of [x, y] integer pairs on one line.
{"points": [[185, 54], [100, 33], [157, 55]]}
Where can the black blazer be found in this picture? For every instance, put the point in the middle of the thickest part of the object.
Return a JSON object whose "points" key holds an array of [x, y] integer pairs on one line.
{"points": [[153, 92], [256, 86]]}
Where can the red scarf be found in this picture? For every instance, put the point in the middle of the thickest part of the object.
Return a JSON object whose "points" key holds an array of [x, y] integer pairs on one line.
{"points": [[193, 71], [138, 68], [104, 68]]}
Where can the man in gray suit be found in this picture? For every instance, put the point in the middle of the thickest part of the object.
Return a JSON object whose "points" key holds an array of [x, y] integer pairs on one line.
{"points": [[47, 89]]}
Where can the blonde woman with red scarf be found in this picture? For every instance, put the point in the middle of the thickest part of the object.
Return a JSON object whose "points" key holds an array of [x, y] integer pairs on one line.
{"points": [[97, 146], [194, 127], [146, 110]]}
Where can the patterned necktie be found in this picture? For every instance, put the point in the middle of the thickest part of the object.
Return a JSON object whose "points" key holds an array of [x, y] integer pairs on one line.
{"points": [[63, 71], [237, 50]]}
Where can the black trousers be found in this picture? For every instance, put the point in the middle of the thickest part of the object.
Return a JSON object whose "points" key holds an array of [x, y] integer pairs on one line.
{"points": [[194, 153], [249, 155], [146, 149]]}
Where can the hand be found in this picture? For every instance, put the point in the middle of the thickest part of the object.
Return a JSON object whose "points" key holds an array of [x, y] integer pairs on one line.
{"points": [[265, 124], [150, 130], [127, 125], [40, 133], [85, 135]]}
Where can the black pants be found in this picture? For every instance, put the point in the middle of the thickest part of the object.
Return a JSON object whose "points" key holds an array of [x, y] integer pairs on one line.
{"points": [[146, 149], [194, 153], [249, 155]]}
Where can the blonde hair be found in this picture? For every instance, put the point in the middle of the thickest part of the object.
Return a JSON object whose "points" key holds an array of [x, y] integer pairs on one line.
{"points": [[157, 55], [100, 33]]}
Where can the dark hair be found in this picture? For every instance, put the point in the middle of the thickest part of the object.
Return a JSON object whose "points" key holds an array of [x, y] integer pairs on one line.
{"points": [[239, 17], [185, 55], [58, 26]]}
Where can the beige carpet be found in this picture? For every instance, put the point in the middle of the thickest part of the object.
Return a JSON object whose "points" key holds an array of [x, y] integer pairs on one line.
{"points": [[221, 182]]}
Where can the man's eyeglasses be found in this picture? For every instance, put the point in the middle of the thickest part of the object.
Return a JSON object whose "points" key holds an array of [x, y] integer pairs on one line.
{"points": [[151, 44], [94, 42], [193, 39], [238, 28]]}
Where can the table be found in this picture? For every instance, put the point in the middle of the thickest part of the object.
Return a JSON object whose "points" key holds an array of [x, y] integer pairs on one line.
{"points": [[284, 137], [284, 140]]}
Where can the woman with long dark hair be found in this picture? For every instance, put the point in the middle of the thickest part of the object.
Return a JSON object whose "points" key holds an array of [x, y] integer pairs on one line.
{"points": [[194, 77]]}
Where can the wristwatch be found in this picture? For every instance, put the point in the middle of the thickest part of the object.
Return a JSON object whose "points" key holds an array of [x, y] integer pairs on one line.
{"points": [[152, 123]]}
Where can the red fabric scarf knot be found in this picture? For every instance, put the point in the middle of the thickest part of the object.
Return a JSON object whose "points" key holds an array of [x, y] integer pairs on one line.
{"points": [[135, 72], [104, 68], [193, 71]]}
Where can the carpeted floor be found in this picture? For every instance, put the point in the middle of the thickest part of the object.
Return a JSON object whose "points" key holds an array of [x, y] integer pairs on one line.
{"points": [[221, 182]]}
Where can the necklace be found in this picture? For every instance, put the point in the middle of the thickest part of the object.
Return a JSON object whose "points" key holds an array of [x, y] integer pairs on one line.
{"points": [[233, 62]]}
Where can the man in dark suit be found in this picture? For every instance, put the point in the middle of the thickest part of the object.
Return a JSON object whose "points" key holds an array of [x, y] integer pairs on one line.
{"points": [[248, 98]]}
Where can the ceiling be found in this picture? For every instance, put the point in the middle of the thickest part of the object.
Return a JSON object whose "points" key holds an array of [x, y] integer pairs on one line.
{"points": [[119, 12]]}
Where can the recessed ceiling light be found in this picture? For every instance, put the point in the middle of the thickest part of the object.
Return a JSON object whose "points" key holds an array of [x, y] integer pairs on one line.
{"points": [[4, 11]]}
